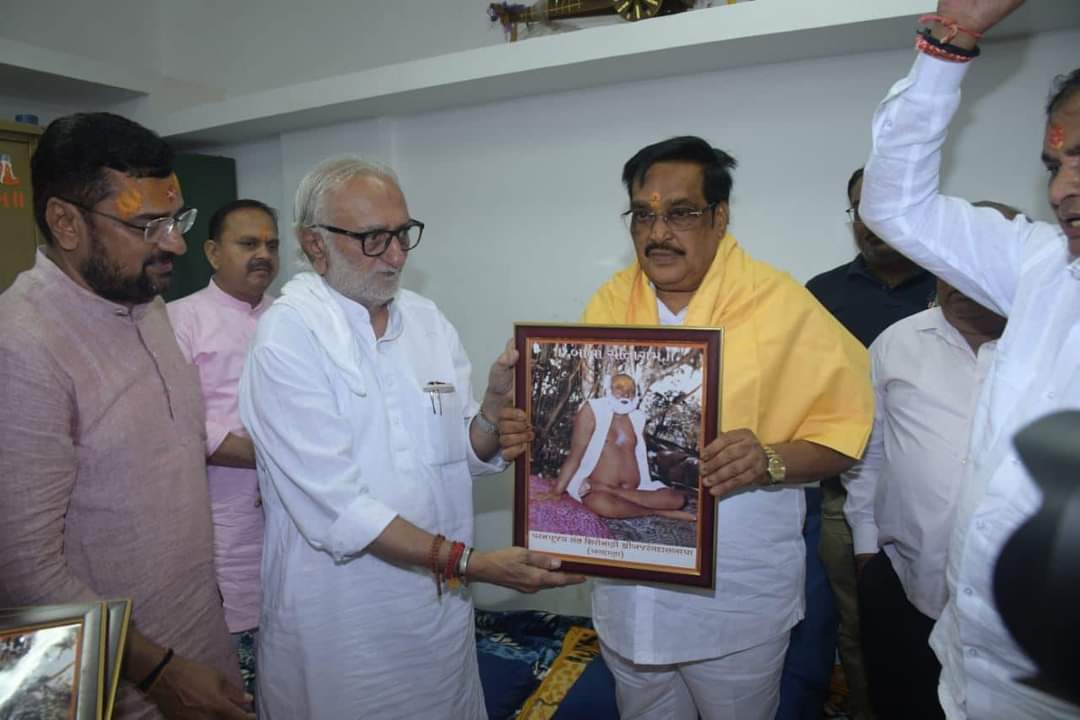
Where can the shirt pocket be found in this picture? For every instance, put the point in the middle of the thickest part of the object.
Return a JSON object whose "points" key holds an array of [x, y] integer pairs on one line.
{"points": [[443, 422]]}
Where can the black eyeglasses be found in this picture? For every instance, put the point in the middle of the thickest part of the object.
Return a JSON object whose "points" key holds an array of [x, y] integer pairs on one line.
{"points": [[676, 218], [155, 231], [374, 243], [853, 214]]}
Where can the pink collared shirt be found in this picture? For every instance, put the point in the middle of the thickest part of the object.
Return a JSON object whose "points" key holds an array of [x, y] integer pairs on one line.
{"points": [[214, 330]]}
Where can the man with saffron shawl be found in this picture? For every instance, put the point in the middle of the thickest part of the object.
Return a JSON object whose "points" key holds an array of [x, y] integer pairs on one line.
{"points": [[797, 406]]}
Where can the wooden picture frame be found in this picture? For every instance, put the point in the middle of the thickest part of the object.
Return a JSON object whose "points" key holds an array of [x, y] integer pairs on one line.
{"points": [[118, 618], [609, 483], [52, 659]]}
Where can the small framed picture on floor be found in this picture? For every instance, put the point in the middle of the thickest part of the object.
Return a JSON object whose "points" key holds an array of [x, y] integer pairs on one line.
{"points": [[620, 414]]}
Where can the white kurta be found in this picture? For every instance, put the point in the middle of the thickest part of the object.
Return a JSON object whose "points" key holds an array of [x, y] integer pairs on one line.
{"points": [[902, 496], [760, 569], [343, 447], [1022, 270]]}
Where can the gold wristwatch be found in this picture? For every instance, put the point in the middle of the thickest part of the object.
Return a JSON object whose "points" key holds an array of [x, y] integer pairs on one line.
{"points": [[776, 469]]}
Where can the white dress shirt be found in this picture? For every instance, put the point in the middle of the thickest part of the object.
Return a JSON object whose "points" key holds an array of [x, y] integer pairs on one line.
{"points": [[1022, 270], [902, 496], [343, 447], [760, 568]]}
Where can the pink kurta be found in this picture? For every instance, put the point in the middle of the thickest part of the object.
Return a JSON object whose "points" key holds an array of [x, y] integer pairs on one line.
{"points": [[103, 490], [214, 330]]}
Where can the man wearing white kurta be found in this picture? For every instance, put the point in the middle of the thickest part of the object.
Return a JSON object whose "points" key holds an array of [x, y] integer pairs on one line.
{"points": [[1026, 271], [358, 398], [682, 653]]}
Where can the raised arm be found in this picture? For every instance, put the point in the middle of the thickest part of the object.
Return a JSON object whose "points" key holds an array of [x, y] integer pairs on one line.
{"points": [[975, 250]]}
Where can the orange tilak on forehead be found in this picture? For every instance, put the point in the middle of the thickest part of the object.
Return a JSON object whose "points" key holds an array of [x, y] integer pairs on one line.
{"points": [[135, 195], [160, 192], [128, 202], [654, 201], [1055, 136], [164, 190]]}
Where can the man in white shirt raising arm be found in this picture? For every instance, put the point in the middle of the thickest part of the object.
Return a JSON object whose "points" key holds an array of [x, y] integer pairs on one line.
{"points": [[1027, 272]]}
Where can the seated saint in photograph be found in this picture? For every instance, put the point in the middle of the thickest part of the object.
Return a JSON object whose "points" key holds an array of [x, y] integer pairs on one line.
{"points": [[606, 470]]}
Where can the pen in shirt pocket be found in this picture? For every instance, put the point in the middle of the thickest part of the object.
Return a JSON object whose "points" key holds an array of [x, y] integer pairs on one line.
{"points": [[435, 389]]}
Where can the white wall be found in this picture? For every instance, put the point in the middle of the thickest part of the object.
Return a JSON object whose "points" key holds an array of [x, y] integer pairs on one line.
{"points": [[281, 42], [124, 32], [112, 42], [522, 197]]}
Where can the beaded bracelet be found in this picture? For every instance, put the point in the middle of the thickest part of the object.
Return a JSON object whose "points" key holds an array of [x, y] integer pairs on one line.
{"points": [[929, 45], [433, 562]]}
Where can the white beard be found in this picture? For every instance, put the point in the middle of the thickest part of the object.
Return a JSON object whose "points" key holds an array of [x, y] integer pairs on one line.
{"points": [[620, 406], [367, 288]]}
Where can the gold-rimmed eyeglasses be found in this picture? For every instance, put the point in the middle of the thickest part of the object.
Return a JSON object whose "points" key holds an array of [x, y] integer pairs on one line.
{"points": [[679, 218]]}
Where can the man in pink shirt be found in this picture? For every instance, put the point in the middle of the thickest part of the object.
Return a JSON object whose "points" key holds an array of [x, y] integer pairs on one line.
{"points": [[102, 473], [214, 328]]}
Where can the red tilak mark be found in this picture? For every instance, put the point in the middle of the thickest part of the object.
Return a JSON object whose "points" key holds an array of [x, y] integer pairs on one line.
{"points": [[1055, 136]]}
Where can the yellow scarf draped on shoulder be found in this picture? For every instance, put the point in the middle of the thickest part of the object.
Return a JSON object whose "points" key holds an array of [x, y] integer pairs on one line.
{"points": [[790, 370]]}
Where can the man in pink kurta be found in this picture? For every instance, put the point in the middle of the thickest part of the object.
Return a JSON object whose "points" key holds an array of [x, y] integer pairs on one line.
{"points": [[214, 327], [102, 471]]}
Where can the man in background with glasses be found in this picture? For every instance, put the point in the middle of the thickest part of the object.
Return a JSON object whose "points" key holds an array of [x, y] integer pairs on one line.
{"points": [[357, 395], [870, 293], [102, 473], [214, 328], [796, 407]]}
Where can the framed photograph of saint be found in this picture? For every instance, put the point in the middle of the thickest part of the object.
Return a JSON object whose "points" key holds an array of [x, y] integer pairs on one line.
{"points": [[52, 661], [620, 414]]}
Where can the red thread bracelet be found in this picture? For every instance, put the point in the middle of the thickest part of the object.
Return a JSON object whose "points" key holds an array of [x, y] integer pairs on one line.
{"points": [[456, 551], [926, 47], [952, 27]]}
